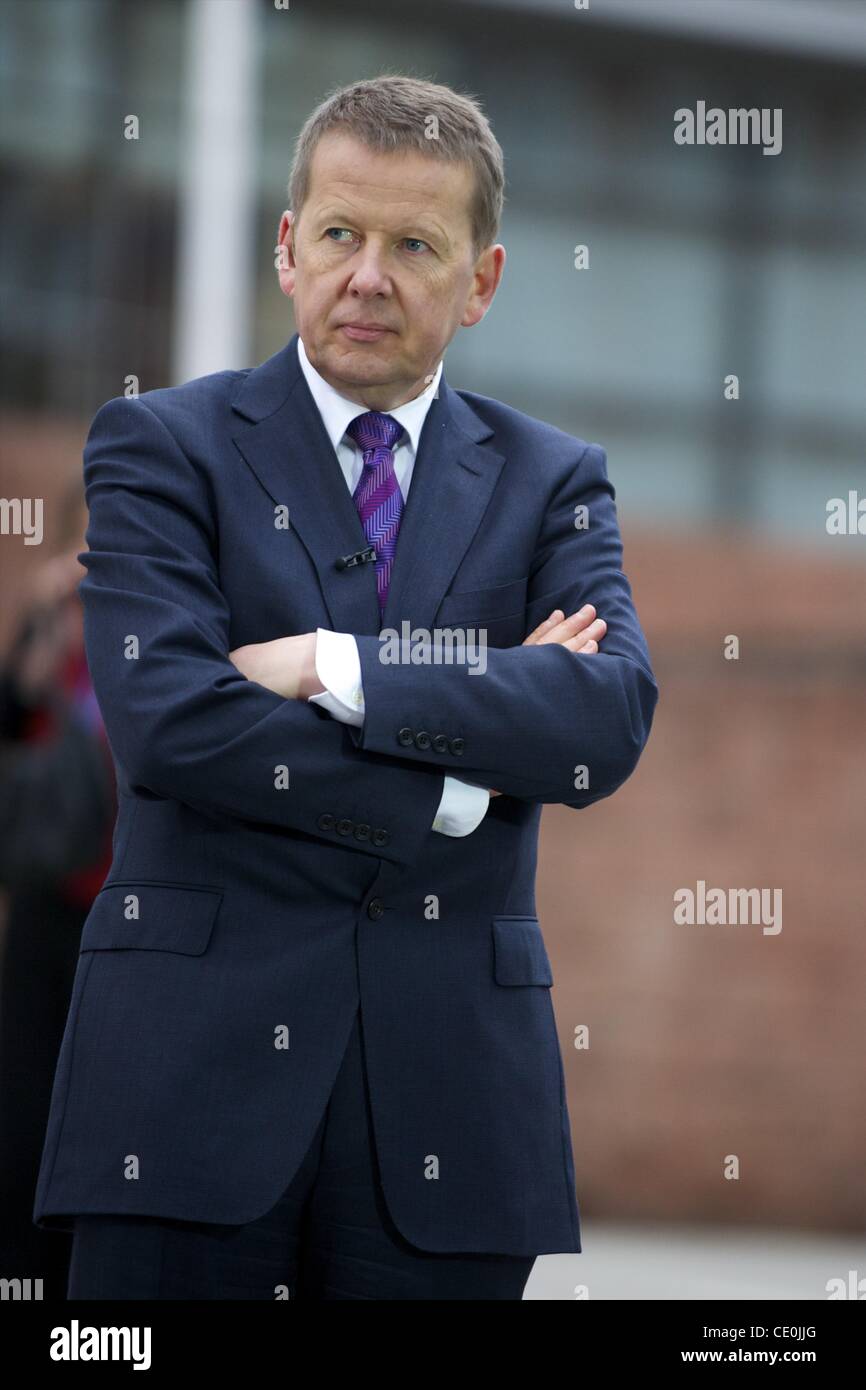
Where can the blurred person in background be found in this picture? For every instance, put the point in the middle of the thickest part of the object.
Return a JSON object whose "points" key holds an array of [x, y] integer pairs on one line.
{"points": [[57, 809]]}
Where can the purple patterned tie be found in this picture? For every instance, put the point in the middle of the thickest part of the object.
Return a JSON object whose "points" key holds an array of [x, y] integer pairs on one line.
{"points": [[378, 496]]}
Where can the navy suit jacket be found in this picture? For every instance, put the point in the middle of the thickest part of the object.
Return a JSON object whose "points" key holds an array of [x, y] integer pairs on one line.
{"points": [[273, 867]]}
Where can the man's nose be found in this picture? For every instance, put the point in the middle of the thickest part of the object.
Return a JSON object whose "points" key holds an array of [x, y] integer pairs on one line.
{"points": [[370, 274]]}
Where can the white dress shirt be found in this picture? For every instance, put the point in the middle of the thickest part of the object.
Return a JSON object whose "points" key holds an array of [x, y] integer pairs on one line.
{"points": [[338, 665]]}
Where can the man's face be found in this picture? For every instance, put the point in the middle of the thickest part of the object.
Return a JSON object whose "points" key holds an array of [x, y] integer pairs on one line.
{"points": [[381, 269]]}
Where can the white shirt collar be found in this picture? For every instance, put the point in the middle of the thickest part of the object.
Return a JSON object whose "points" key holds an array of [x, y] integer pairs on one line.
{"points": [[338, 411]]}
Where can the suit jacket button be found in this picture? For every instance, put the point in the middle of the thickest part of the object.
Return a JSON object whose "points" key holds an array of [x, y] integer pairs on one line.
{"points": [[325, 821], [380, 837], [345, 827], [457, 746], [362, 832], [422, 739], [440, 743], [375, 908], [405, 737]]}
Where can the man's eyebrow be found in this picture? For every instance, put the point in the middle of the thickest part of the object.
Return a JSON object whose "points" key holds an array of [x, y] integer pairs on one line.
{"points": [[332, 215]]}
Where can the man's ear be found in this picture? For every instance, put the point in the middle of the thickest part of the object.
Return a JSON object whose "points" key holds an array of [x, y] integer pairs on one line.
{"points": [[488, 274], [285, 253]]}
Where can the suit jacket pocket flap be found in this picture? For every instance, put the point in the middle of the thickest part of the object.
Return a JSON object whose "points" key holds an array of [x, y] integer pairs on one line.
{"points": [[152, 917], [474, 605], [519, 953]]}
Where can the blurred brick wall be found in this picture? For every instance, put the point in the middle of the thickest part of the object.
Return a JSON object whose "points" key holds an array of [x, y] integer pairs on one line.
{"points": [[714, 1040]]}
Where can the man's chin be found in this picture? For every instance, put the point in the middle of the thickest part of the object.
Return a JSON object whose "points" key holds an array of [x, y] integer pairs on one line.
{"points": [[373, 349], [360, 362]]}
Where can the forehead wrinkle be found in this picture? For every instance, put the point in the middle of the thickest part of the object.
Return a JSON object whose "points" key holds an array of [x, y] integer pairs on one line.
{"points": [[425, 173], [333, 188]]}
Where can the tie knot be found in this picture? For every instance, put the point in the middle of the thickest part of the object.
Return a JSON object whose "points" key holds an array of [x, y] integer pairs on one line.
{"points": [[375, 430]]}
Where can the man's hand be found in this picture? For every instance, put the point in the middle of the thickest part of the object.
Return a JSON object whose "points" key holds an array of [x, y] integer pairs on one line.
{"points": [[287, 665], [581, 632]]}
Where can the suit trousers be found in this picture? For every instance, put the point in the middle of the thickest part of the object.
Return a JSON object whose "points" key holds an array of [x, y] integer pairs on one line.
{"points": [[328, 1237]]}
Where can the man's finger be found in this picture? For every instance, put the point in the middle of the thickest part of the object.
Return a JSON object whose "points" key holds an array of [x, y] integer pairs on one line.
{"points": [[556, 617], [577, 626], [557, 627], [593, 633]]}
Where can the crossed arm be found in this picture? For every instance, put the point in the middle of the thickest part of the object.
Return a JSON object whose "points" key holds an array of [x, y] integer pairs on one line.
{"points": [[185, 722], [287, 665]]}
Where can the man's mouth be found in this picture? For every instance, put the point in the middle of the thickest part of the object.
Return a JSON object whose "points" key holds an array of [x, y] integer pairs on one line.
{"points": [[364, 332]]}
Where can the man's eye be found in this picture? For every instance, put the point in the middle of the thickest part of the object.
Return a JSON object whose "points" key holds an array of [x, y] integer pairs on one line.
{"points": [[414, 241], [338, 230]]}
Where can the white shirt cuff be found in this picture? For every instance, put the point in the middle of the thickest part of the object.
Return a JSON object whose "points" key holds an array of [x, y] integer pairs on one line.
{"points": [[462, 808], [338, 667]]}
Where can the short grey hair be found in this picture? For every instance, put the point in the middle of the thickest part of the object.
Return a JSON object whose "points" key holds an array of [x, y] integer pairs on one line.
{"points": [[394, 112]]}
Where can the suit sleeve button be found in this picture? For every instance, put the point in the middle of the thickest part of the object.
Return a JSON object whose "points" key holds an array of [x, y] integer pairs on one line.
{"points": [[440, 743], [380, 837], [422, 739], [405, 737], [345, 826], [362, 832], [457, 746], [325, 821]]}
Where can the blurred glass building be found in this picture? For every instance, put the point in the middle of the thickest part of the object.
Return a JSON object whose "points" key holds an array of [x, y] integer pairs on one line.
{"points": [[698, 267]]}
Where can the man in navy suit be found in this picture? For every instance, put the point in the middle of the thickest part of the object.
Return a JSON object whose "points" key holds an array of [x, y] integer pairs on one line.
{"points": [[341, 622]]}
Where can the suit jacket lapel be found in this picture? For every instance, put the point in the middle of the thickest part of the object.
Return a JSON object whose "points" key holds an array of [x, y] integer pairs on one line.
{"points": [[452, 483], [287, 448]]}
